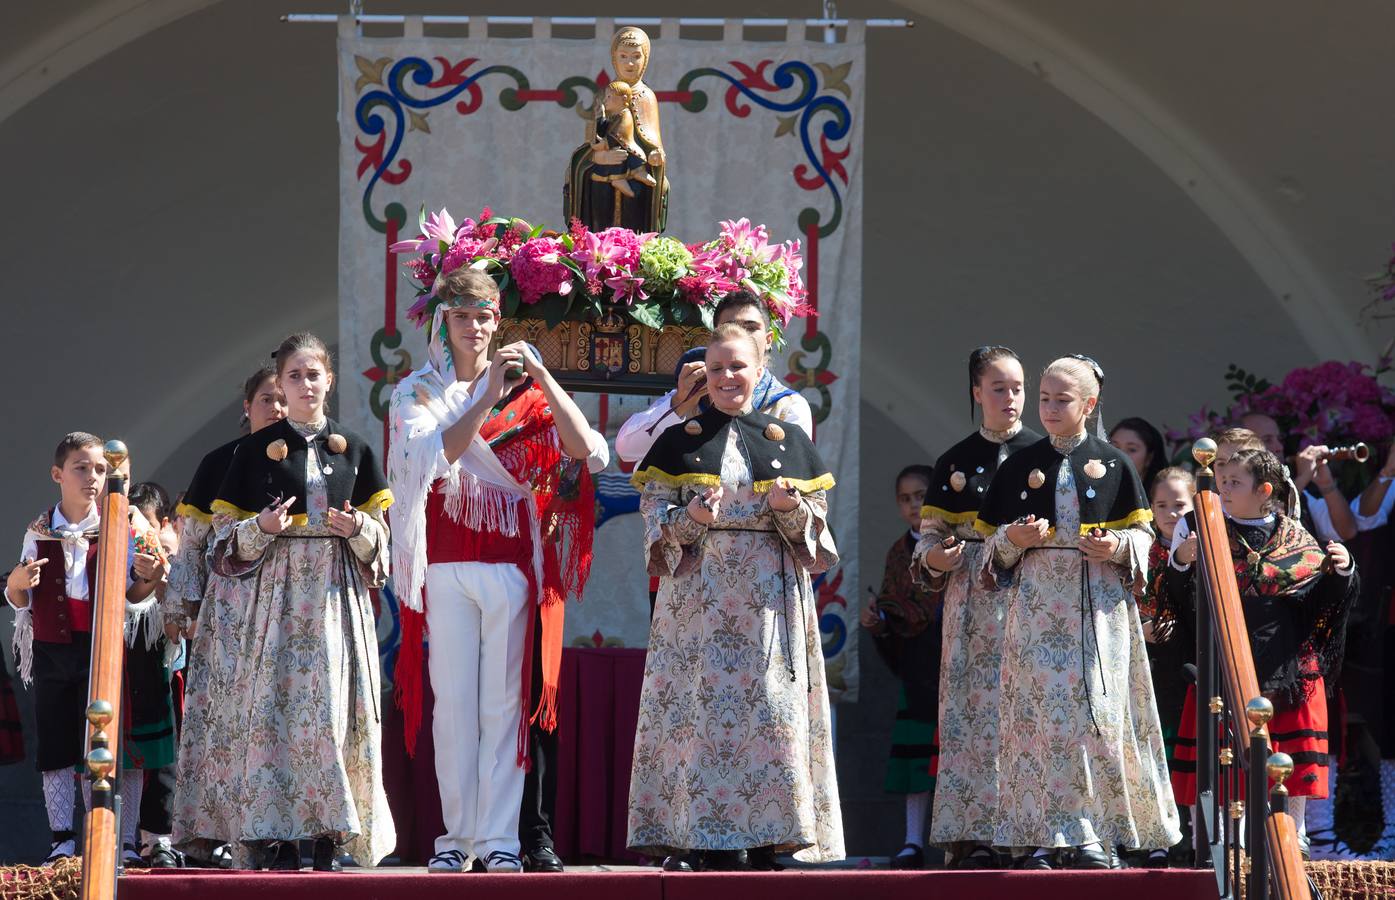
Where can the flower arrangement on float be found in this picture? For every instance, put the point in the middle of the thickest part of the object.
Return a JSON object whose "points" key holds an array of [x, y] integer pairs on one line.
{"points": [[581, 274]]}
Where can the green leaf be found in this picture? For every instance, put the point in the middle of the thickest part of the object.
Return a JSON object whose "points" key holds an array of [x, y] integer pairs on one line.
{"points": [[566, 241], [647, 314], [678, 313], [553, 309], [536, 231], [706, 311], [509, 303], [421, 220]]}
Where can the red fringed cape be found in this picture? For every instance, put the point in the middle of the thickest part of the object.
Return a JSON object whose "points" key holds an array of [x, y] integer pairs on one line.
{"points": [[523, 435]]}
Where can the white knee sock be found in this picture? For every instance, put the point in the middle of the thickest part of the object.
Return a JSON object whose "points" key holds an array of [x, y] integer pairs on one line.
{"points": [[60, 794], [916, 806], [132, 786], [1298, 808]]}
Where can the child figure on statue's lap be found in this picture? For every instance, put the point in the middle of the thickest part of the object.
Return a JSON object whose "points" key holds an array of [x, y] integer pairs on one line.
{"points": [[615, 130]]}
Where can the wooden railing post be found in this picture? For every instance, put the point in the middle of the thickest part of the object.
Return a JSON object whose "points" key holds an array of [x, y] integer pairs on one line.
{"points": [[1272, 837], [99, 837]]}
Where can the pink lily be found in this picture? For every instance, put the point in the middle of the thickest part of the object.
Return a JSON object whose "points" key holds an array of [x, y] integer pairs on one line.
{"points": [[438, 227], [627, 287]]}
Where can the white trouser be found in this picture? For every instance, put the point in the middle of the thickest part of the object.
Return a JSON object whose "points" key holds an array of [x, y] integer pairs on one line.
{"points": [[477, 619]]}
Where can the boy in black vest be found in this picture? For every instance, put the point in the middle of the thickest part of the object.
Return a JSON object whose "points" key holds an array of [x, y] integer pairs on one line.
{"points": [[51, 591]]}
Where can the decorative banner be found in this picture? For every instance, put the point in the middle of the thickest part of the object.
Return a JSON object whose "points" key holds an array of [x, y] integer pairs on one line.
{"points": [[769, 131]]}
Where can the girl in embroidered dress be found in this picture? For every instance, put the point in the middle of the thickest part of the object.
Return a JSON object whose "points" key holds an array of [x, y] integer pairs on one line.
{"points": [[947, 558], [733, 750], [1082, 767], [209, 610], [302, 518]]}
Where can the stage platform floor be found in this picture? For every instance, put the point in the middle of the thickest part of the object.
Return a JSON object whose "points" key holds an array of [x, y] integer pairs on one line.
{"points": [[649, 883]]}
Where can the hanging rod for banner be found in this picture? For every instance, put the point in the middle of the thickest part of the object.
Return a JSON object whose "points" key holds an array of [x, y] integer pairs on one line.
{"points": [[377, 19]]}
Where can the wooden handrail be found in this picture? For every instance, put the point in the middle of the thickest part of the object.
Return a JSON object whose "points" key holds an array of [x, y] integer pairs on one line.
{"points": [[1240, 683], [100, 846]]}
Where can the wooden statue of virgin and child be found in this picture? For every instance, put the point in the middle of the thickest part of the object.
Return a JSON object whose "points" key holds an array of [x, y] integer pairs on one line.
{"points": [[617, 178]]}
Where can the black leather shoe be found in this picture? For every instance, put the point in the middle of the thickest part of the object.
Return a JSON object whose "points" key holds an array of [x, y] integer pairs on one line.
{"points": [[679, 862], [326, 858], [283, 856], [980, 857], [907, 861], [1032, 862], [725, 861], [163, 856], [1091, 858], [762, 859], [542, 859]]}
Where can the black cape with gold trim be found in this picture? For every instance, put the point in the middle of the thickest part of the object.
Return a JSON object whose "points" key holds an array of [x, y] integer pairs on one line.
{"points": [[254, 480], [776, 449], [208, 478], [977, 458], [1111, 493]]}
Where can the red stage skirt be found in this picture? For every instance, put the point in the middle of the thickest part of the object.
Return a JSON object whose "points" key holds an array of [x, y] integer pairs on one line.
{"points": [[1301, 733]]}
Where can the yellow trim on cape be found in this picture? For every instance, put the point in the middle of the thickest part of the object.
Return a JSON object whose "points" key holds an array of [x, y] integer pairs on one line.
{"points": [[949, 518], [1137, 517], [381, 500], [689, 479], [193, 512], [701, 479], [803, 485], [223, 507]]}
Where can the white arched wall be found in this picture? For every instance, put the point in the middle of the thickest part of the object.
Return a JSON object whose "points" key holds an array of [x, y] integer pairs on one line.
{"points": [[72, 44]]}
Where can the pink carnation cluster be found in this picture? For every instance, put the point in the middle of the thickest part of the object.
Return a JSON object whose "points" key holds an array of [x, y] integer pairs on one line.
{"points": [[1330, 403], [538, 269]]}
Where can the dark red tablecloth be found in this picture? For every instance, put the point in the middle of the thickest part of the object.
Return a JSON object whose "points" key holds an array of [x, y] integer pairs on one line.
{"points": [[596, 732], [596, 742]]}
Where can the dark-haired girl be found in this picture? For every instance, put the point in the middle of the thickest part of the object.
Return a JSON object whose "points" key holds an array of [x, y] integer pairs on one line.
{"points": [[1142, 444], [205, 806], [303, 521], [947, 554], [1082, 766], [1296, 596]]}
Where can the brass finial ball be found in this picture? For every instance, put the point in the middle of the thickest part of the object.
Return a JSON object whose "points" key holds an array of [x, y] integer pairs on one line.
{"points": [[1259, 711], [1279, 766], [99, 713], [100, 763], [115, 452], [1204, 452]]}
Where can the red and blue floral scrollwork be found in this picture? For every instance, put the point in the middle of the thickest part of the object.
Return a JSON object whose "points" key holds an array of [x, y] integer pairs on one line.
{"points": [[390, 110], [795, 88]]}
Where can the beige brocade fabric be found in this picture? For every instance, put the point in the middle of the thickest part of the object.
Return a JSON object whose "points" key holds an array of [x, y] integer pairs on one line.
{"points": [[966, 789], [306, 688], [733, 751], [1081, 756]]}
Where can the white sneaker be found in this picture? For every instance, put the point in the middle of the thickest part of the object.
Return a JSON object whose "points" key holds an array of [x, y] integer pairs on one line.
{"points": [[503, 861], [448, 861]]}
